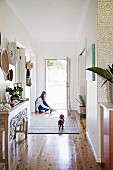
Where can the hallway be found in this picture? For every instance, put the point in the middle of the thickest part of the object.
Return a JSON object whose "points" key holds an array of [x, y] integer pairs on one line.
{"points": [[53, 152]]}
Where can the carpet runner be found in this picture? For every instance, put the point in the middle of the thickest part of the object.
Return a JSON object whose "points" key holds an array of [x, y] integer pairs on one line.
{"points": [[49, 125]]}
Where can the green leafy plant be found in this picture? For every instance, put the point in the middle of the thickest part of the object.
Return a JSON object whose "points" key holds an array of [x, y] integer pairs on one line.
{"points": [[105, 73], [82, 100], [19, 89], [15, 93]]}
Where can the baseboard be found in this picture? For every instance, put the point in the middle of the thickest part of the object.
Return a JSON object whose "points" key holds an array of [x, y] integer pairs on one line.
{"points": [[98, 160]]}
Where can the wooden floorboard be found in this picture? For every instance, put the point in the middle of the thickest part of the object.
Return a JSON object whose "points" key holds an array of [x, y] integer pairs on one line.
{"points": [[53, 151]]}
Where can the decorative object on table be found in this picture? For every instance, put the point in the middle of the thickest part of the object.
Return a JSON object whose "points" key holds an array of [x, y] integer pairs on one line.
{"points": [[7, 96], [5, 107], [19, 88], [82, 101], [4, 61], [16, 93], [14, 103], [106, 74], [29, 66], [12, 52], [10, 75]]}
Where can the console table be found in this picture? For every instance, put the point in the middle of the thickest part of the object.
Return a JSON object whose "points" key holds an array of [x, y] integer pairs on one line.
{"points": [[16, 120], [106, 111]]}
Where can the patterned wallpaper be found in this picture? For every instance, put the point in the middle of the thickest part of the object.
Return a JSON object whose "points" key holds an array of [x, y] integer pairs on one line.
{"points": [[104, 45]]}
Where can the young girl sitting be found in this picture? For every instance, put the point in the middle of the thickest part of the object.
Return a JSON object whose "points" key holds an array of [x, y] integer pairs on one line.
{"points": [[41, 105]]}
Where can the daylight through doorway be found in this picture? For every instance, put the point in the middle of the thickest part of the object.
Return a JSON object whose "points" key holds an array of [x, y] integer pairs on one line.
{"points": [[56, 78]]}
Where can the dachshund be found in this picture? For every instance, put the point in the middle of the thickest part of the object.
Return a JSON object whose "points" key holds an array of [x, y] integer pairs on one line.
{"points": [[61, 121]]}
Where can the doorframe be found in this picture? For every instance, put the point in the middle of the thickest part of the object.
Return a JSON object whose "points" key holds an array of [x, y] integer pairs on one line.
{"points": [[66, 77], [68, 83]]}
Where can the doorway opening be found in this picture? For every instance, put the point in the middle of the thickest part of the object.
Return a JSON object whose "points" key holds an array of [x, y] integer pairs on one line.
{"points": [[56, 83]]}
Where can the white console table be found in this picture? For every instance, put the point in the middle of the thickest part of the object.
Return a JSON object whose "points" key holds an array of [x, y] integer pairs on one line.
{"points": [[10, 121]]}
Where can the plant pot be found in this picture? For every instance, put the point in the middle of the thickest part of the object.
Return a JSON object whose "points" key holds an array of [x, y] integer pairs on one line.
{"points": [[83, 111]]}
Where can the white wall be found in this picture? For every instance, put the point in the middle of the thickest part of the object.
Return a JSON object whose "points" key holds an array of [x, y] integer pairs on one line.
{"points": [[82, 75], [87, 36], [56, 50], [13, 30]]}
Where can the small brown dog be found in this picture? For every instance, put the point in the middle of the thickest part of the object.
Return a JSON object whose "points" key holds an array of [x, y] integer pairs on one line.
{"points": [[61, 121]]}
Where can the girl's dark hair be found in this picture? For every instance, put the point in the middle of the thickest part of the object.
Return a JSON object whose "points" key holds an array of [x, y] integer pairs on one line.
{"points": [[42, 95]]}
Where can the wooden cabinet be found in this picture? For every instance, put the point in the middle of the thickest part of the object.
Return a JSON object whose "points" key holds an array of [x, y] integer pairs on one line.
{"points": [[106, 110]]}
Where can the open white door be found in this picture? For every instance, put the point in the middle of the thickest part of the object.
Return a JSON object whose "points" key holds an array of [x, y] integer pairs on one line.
{"points": [[68, 84], [56, 87]]}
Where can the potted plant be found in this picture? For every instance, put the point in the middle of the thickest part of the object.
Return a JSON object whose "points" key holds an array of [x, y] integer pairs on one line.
{"points": [[15, 93], [82, 101], [105, 73]]}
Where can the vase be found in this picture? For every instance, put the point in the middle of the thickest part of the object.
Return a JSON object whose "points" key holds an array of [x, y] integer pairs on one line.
{"points": [[82, 111]]}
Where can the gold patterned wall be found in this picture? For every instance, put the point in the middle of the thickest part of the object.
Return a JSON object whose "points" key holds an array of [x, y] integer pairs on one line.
{"points": [[104, 45]]}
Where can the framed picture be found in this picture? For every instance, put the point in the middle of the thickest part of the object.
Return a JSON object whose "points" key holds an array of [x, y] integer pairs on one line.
{"points": [[90, 62]]}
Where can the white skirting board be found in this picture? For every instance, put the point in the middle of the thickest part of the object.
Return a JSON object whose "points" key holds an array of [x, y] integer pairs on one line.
{"points": [[98, 160]]}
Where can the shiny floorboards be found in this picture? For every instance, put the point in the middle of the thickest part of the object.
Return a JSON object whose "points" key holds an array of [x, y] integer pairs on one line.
{"points": [[53, 152]]}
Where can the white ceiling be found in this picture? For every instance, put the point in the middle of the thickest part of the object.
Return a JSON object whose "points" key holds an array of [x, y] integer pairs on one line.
{"points": [[50, 20]]}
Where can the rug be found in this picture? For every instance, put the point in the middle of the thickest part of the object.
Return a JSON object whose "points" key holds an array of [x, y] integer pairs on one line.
{"points": [[49, 125]]}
